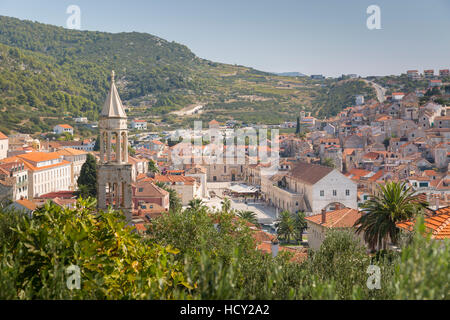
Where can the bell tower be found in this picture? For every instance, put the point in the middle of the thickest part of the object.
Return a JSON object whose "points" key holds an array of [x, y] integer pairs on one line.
{"points": [[114, 172]]}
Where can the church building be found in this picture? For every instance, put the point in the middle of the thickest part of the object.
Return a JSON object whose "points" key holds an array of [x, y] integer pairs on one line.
{"points": [[114, 172]]}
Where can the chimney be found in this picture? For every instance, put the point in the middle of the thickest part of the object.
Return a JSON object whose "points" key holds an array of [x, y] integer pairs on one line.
{"points": [[324, 216], [337, 206], [437, 201], [275, 247]]}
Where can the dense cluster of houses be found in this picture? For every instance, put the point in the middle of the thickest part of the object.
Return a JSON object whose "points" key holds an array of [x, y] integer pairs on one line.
{"points": [[328, 172]]}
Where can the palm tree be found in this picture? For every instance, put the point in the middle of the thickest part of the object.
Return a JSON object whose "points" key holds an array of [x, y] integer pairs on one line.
{"points": [[152, 167], [286, 226], [196, 204], [249, 216], [393, 203], [226, 205], [175, 204]]}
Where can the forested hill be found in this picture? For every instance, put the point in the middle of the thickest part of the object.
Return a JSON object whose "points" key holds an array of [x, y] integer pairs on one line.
{"points": [[49, 72]]}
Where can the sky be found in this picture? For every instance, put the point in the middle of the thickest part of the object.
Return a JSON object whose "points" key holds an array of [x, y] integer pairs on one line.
{"points": [[328, 37]]}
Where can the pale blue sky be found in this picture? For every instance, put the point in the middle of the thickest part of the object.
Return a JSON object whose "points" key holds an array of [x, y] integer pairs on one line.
{"points": [[320, 36]]}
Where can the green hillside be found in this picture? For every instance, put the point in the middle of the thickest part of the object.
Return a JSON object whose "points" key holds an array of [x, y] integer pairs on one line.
{"points": [[49, 72]]}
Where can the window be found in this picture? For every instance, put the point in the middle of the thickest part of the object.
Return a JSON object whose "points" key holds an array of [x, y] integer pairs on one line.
{"points": [[334, 193], [347, 192], [322, 193], [141, 189]]}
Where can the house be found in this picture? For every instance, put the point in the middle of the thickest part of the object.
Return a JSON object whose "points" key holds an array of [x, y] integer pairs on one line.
{"points": [[444, 73], [13, 181], [23, 205], [340, 218], [330, 129], [81, 120], [186, 187], [138, 124], [397, 96], [435, 83], [308, 187], [63, 128], [47, 172], [200, 174], [437, 224], [359, 100], [442, 122], [4, 141], [77, 158], [139, 166], [144, 191], [354, 141], [413, 74], [428, 73]]}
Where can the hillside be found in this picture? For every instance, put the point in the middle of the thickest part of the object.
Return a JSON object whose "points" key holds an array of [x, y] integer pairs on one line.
{"points": [[51, 72]]}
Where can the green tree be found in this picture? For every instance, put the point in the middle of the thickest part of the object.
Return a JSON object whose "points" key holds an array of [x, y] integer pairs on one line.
{"points": [[286, 226], [114, 261], [393, 203], [175, 204], [97, 144], [152, 167], [300, 225], [328, 162], [226, 205], [298, 129], [249, 216], [87, 181], [196, 204]]}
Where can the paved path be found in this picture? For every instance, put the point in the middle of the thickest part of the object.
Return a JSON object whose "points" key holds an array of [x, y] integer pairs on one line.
{"points": [[264, 214], [381, 92]]}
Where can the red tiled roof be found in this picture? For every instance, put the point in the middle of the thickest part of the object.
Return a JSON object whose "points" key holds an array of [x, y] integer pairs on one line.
{"points": [[437, 224], [2, 136], [65, 126], [342, 218], [30, 205]]}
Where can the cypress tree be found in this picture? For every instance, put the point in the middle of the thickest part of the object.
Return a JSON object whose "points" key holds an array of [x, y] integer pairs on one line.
{"points": [[87, 181]]}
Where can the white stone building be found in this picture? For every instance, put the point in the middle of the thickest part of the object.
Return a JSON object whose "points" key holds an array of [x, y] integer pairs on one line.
{"points": [[63, 128], [47, 172], [310, 188], [3, 146]]}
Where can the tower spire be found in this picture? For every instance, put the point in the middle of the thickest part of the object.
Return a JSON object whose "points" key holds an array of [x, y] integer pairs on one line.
{"points": [[113, 107]]}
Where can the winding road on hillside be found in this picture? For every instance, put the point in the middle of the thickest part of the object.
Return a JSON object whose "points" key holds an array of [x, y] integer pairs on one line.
{"points": [[381, 92]]}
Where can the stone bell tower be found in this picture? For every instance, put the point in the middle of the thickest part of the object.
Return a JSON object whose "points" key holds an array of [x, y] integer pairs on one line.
{"points": [[114, 172]]}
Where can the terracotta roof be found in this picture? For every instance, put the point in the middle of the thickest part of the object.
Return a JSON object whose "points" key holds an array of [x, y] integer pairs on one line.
{"points": [[437, 224], [148, 189], [2, 136], [172, 179], [70, 152], [342, 218], [65, 126], [309, 173], [30, 205], [39, 156], [59, 194]]}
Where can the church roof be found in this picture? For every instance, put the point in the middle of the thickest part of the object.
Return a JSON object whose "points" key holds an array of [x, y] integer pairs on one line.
{"points": [[113, 105]]}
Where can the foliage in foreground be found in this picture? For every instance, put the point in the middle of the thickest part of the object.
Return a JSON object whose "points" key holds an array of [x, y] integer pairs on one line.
{"points": [[115, 263], [216, 258]]}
